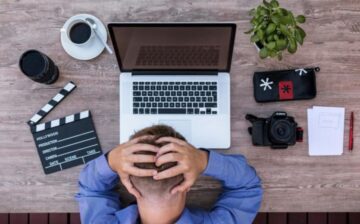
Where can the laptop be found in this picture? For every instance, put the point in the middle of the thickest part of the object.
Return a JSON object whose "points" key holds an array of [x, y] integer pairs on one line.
{"points": [[175, 74]]}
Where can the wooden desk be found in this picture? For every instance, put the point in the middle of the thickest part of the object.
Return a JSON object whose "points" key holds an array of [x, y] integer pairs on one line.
{"points": [[292, 180]]}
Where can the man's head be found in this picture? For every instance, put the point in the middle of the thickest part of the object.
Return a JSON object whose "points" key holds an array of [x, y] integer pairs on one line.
{"points": [[147, 186], [156, 200]]}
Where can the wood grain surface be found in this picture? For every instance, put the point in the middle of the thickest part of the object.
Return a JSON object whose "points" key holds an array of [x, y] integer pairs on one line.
{"points": [[293, 181]]}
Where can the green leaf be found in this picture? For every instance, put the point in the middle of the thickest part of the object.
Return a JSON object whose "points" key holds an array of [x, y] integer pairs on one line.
{"points": [[260, 19], [270, 28], [300, 19], [274, 3], [258, 27], [254, 38], [275, 18], [270, 38], [281, 44], [267, 4], [283, 12], [292, 46], [263, 53], [253, 21], [301, 31], [272, 53], [271, 45], [264, 11], [257, 12], [276, 37], [260, 34], [286, 20], [249, 31], [298, 37], [284, 30], [292, 18], [252, 12], [264, 24]]}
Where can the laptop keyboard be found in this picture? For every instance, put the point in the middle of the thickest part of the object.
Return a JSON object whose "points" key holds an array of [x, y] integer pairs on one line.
{"points": [[178, 56], [175, 98]]}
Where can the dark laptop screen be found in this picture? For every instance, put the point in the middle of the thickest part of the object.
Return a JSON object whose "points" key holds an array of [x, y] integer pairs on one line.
{"points": [[173, 46]]}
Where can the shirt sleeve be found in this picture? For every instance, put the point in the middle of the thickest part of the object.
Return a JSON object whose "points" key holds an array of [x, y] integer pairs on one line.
{"points": [[98, 202], [242, 195]]}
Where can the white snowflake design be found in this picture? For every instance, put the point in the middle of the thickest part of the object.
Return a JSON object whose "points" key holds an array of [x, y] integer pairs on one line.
{"points": [[266, 83], [301, 71]]}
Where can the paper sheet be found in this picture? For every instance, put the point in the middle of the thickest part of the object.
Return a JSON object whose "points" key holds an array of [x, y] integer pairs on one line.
{"points": [[326, 130]]}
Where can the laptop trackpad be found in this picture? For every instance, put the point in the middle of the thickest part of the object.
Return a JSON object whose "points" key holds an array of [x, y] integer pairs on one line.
{"points": [[181, 126]]}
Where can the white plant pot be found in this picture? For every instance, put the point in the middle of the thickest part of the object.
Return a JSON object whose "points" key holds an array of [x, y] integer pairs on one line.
{"points": [[257, 47]]}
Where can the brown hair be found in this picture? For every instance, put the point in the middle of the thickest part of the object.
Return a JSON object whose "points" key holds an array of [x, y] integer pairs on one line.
{"points": [[147, 186]]}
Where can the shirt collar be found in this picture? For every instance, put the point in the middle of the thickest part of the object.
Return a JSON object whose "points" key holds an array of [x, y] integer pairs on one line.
{"points": [[130, 214], [185, 217]]}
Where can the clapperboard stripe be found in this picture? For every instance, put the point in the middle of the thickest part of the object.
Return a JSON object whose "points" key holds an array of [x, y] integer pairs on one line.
{"points": [[68, 88], [61, 121]]}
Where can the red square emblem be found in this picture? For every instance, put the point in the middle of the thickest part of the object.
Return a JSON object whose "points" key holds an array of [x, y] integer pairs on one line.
{"points": [[286, 90]]}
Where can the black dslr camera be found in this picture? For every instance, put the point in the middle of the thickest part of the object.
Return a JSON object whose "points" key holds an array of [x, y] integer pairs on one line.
{"points": [[278, 131]]}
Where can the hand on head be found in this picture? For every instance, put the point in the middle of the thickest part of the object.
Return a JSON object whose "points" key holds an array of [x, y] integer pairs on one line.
{"points": [[191, 162], [122, 160]]}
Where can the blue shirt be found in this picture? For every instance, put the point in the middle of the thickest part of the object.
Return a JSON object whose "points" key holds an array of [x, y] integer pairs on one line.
{"points": [[239, 202]]}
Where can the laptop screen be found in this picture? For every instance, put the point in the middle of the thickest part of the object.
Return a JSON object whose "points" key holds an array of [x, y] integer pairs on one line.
{"points": [[167, 47]]}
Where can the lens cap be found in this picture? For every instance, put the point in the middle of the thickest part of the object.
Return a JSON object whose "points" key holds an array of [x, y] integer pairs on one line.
{"points": [[32, 63]]}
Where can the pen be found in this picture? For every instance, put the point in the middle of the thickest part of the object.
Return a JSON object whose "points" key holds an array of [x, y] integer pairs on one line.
{"points": [[351, 133]]}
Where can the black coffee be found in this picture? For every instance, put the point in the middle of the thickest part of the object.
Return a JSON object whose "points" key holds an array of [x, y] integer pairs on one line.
{"points": [[38, 67], [80, 33]]}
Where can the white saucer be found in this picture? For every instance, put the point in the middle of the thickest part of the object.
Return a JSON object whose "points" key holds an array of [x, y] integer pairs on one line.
{"points": [[92, 48]]}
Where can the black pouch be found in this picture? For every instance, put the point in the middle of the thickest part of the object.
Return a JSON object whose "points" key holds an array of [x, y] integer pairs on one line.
{"points": [[296, 84]]}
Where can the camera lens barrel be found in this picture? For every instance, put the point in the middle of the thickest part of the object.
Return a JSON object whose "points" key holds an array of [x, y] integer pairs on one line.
{"points": [[282, 131]]}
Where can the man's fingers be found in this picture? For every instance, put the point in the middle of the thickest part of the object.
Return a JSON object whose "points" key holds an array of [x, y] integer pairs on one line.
{"points": [[134, 171], [140, 158], [168, 157], [142, 147], [129, 186], [171, 147], [134, 192], [184, 186], [126, 182], [172, 139], [171, 172]]}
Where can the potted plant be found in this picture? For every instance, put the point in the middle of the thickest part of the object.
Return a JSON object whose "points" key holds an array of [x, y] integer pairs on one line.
{"points": [[275, 29]]}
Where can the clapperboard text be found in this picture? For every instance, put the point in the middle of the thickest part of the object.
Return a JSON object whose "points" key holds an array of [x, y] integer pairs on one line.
{"points": [[65, 142]]}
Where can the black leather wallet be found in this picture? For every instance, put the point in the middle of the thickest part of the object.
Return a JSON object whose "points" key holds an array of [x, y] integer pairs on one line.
{"points": [[296, 84]]}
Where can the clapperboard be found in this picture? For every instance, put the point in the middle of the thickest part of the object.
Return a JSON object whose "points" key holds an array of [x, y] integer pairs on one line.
{"points": [[65, 142]]}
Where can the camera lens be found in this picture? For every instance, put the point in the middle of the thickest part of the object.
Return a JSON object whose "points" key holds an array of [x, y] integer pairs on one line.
{"points": [[281, 131]]}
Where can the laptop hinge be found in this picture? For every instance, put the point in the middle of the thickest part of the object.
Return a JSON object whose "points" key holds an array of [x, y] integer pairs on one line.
{"points": [[163, 72]]}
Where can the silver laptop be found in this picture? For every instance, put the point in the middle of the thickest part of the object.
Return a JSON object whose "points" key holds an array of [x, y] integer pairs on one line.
{"points": [[178, 75]]}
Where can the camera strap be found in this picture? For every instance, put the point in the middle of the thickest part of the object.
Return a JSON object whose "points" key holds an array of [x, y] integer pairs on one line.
{"points": [[299, 134], [251, 118]]}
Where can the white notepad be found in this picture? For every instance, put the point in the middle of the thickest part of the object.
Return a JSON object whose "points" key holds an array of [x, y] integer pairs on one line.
{"points": [[326, 130]]}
